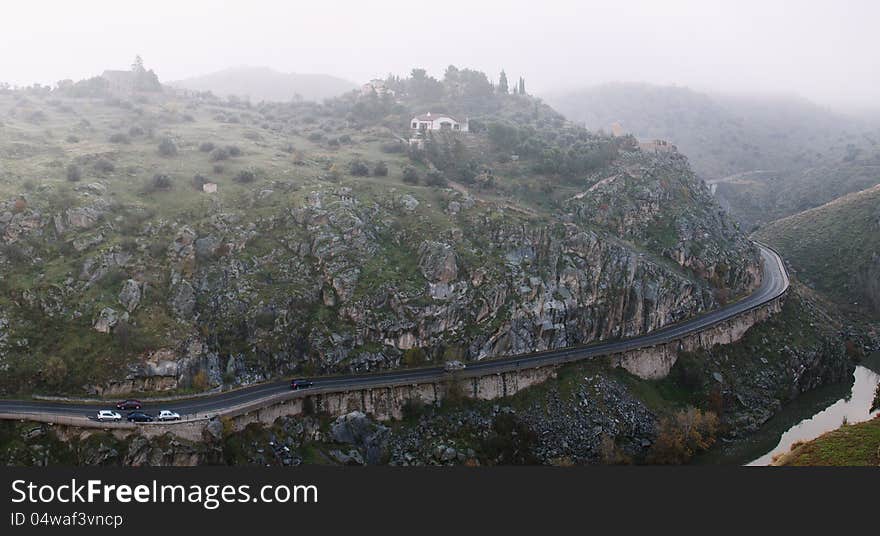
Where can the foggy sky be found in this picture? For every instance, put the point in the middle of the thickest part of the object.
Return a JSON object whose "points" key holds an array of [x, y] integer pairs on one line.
{"points": [[826, 51]]}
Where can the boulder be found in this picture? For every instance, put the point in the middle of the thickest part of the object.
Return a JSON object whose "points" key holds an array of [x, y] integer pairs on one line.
{"points": [[130, 295]]}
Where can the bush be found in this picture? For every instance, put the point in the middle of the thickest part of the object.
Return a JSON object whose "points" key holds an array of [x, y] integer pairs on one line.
{"points": [[333, 142], [246, 176], [233, 150], [161, 181], [198, 181], [102, 165], [414, 357], [200, 380], [167, 147], [380, 169], [119, 137], [218, 168], [316, 136], [265, 319], [682, 435], [345, 138], [219, 154], [72, 139], [74, 174], [410, 175], [392, 147], [358, 168], [136, 131], [436, 178], [206, 147]]}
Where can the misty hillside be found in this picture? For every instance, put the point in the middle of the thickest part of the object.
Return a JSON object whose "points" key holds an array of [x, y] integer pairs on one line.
{"points": [[768, 157], [835, 247], [265, 84], [721, 135]]}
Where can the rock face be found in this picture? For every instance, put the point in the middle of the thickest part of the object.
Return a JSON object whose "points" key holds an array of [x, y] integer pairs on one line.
{"points": [[341, 280], [130, 295]]}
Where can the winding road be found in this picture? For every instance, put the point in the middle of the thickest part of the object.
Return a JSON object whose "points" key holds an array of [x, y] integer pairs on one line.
{"points": [[775, 282]]}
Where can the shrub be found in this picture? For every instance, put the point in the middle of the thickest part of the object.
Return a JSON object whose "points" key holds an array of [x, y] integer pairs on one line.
{"points": [[435, 178], [218, 168], [206, 147], [167, 147], [119, 137], [412, 408], [246, 176], [333, 173], [316, 136], [161, 181], [219, 154], [72, 139], [102, 165], [358, 168], [198, 181], [333, 142], [55, 371], [74, 174], [345, 138], [200, 380], [682, 435], [410, 175], [414, 357], [136, 131], [265, 319], [380, 169], [233, 150], [392, 147]]}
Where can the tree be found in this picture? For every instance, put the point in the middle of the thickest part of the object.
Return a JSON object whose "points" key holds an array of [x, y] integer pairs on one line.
{"points": [[73, 173], [502, 83], [167, 147], [682, 435], [522, 86]]}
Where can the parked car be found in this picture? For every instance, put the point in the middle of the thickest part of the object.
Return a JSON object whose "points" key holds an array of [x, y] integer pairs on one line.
{"points": [[129, 404], [139, 416], [166, 415], [109, 415], [300, 384], [452, 366]]}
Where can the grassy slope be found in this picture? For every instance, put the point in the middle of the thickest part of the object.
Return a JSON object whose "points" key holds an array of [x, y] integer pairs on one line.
{"points": [[833, 246], [849, 445]]}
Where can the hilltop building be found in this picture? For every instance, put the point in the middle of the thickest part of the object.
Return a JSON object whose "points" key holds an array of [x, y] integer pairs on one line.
{"points": [[657, 146], [425, 122]]}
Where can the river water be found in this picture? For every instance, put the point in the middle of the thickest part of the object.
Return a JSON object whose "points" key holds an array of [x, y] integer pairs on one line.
{"points": [[809, 416]]}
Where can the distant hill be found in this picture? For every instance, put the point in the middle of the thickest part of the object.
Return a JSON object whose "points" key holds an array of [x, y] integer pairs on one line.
{"points": [[835, 247], [806, 155], [263, 83]]}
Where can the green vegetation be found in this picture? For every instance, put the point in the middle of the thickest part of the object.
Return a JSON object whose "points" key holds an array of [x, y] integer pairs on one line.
{"points": [[850, 445], [835, 247]]}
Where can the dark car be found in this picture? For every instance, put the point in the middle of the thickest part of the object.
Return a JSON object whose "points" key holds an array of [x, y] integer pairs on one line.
{"points": [[300, 384], [129, 404], [139, 416]]}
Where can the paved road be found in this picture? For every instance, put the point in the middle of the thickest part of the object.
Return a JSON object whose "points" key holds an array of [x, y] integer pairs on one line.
{"points": [[775, 283]]}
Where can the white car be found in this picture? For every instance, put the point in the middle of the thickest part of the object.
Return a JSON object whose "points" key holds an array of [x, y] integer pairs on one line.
{"points": [[166, 415], [109, 415]]}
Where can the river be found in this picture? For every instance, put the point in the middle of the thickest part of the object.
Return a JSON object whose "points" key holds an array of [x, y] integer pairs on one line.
{"points": [[809, 416]]}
